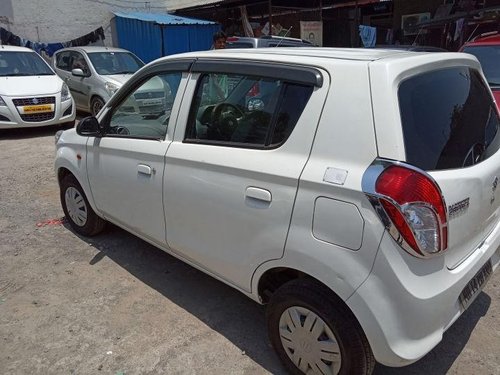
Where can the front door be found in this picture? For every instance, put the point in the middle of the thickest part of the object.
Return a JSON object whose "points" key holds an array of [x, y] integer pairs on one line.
{"points": [[232, 172], [126, 166]]}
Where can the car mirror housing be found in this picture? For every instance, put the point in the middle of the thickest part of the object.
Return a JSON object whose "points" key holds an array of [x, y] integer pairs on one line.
{"points": [[78, 72], [89, 127]]}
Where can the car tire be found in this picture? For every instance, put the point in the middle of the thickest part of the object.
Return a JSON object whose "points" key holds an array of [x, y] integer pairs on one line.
{"points": [[310, 328], [95, 105], [77, 209]]}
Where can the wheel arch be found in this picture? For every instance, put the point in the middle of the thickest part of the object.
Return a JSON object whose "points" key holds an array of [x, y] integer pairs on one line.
{"points": [[65, 170], [273, 278], [91, 100]]}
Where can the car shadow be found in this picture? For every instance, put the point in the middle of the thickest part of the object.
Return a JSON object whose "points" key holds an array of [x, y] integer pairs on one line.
{"points": [[26, 133], [42, 131], [239, 319]]}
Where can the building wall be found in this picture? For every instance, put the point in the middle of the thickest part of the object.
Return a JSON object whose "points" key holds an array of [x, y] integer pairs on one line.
{"points": [[49, 21]]}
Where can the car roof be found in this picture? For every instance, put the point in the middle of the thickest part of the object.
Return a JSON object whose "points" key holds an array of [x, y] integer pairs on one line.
{"points": [[359, 54], [15, 48], [90, 49]]}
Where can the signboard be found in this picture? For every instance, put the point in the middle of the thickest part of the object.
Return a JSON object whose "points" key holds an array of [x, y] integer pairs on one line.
{"points": [[312, 31]]}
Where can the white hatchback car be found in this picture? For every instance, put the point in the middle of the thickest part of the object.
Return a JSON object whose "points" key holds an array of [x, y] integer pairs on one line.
{"points": [[355, 192], [31, 94]]}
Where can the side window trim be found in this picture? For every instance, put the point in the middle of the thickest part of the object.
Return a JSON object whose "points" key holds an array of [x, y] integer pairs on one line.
{"points": [[190, 132], [290, 73]]}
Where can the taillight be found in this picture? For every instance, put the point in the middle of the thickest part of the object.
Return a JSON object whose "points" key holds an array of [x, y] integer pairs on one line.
{"points": [[413, 202]]}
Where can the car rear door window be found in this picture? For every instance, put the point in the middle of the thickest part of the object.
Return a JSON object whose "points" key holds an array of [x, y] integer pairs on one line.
{"points": [[245, 111], [449, 119]]}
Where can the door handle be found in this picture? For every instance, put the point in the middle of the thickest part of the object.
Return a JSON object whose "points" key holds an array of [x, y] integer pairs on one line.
{"points": [[258, 194], [145, 169]]}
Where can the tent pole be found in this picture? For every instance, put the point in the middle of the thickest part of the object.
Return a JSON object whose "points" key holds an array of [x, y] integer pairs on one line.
{"points": [[270, 17]]}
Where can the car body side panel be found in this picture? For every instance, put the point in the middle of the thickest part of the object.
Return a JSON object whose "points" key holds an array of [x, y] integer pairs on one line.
{"points": [[344, 141]]}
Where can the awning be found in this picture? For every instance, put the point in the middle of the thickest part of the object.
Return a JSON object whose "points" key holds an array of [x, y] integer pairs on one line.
{"points": [[163, 18], [183, 4]]}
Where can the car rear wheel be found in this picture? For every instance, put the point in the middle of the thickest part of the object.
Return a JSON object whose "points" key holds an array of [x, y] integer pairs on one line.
{"points": [[96, 105], [313, 332], [77, 209]]}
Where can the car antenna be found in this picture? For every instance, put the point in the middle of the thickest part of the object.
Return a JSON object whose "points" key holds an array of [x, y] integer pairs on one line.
{"points": [[284, 36], [472, 33]]}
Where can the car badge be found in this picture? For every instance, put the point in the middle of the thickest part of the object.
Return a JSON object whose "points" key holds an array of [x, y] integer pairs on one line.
{"points": [[35, 101], [150, 94], [458, 208]]}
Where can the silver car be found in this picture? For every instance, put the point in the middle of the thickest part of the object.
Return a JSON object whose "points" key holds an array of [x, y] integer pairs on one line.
{"points": [[94, 74]]}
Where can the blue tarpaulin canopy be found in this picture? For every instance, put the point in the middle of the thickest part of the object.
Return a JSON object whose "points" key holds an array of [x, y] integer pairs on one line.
{"points": [[153, 35]]}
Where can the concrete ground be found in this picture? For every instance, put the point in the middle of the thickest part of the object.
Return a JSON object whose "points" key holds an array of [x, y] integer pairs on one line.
{"points": [[116, 305]]}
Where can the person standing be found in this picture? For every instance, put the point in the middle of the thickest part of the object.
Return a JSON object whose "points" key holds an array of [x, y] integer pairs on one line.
{"points": [[219, 39]]}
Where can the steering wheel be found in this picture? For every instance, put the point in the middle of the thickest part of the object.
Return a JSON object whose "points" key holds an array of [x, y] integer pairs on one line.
{"points": [[120, 130], [225, 118]]}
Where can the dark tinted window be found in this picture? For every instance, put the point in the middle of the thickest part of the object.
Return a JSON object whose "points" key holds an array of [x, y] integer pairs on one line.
{"points": [[489, 57], [245, 111], [239, 45], [449, 119]]}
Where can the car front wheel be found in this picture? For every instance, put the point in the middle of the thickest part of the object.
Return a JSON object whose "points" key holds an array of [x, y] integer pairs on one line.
{"points": [[313, 332], [77, 209], [96, 105]]}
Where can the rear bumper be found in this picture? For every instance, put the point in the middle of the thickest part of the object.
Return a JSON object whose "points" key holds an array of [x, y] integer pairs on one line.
{"points": [[406, 304]]}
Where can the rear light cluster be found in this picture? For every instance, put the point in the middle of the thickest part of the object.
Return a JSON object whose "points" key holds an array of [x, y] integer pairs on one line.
{"points": [[414, 210]]}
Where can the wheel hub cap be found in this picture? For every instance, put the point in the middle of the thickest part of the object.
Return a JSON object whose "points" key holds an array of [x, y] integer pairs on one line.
{"points": [[75, 204], [309, 342]]}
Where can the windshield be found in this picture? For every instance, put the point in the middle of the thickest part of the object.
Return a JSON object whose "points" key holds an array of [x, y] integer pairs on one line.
{"points": [[19, 63], [489, 57], [107, 63]]}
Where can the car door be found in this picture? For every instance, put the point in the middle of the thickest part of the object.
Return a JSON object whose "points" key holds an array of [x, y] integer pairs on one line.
{"points": [[80, 86], [232, 172], [126, 165], [62, 65]]}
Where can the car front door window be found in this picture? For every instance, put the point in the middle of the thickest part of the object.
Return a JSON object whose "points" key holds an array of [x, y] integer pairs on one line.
{"points": [[145, 113]]}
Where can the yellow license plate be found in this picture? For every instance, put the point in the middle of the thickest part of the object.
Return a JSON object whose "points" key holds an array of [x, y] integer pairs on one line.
{"points": [[37, 108]]}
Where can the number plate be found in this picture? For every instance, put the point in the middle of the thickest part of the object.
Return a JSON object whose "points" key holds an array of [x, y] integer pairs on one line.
{"points": [[152, 102], [38, 108], [474, 287]]}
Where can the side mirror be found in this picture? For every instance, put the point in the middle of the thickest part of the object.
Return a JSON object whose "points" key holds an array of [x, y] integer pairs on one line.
{"points": [[78, 72], [89, 127]]}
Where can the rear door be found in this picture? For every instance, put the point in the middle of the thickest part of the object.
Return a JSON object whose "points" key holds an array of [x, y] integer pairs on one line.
{"points": [[450, 128], [232, 172]]}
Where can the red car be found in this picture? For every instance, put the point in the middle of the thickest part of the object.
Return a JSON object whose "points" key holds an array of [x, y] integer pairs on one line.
{"points": [[486, 48]]}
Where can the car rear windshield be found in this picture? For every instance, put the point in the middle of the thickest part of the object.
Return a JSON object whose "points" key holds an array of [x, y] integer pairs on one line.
{"points": [[108, 63], [18, 63], [489, 57], [449, 119]]}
